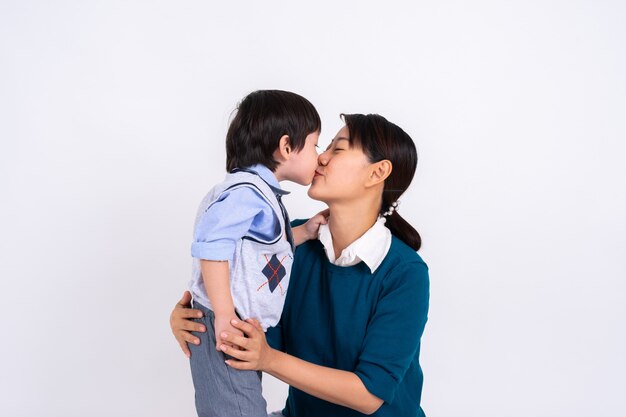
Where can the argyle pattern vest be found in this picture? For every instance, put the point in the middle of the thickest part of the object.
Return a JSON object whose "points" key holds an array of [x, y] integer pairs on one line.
{"points": [[260, 269]]}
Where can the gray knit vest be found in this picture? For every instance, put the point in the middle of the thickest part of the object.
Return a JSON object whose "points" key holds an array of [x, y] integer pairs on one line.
{"points": [[260, 270]]}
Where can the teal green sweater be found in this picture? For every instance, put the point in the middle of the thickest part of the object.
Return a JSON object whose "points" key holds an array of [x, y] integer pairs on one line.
{"points": [[348, 318]]}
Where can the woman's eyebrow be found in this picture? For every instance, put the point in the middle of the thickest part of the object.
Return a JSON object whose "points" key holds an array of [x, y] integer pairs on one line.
{"points": [[343, 138], [337, 139]]}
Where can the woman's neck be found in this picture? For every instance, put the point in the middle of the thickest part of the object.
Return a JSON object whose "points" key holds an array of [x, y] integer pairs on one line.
{"points": [[347, 223]]}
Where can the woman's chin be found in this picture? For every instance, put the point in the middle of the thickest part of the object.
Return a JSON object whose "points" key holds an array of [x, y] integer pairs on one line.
{"points": [[314, 193]]}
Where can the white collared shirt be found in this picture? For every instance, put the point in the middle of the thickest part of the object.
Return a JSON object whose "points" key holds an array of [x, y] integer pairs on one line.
{"points": [[370, 248]]}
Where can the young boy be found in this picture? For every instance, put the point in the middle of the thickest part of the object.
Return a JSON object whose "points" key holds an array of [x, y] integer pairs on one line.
{"points": [[243, 242]]}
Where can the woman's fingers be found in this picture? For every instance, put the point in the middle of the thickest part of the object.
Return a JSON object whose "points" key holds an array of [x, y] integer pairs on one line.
{"points": [[242, 366], [242, 358], [185, 349], [192, 326], [183, 338], [181, 324], [247, 328], [250, 352], [236, 340], [242, 355], [180, 320], [181, 312], [255, 323], [189, 338], [185, 301]]}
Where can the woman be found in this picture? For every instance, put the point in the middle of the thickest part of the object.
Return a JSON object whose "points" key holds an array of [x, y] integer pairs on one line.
{"points": [[349, 338]]}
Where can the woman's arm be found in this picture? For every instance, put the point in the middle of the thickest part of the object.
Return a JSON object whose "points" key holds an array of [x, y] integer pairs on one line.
{"points": [[336, 386]]}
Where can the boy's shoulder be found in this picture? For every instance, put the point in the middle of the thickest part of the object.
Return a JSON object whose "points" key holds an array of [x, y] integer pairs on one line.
{"points": [[239, 190], [242, 183]]}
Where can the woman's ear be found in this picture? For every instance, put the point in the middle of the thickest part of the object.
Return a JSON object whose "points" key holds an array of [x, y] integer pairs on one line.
{"points": [[379, 172], [284, 151]]}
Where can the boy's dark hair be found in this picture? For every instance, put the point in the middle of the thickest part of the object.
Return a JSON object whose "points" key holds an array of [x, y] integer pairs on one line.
{"points": [[262, 118]]}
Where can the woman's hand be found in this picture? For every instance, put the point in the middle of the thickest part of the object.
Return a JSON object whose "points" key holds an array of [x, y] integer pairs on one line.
{"points": [[252, 352], [181, 324]]}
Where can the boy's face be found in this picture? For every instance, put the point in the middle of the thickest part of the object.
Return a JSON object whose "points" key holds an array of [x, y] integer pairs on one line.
{"points": [[303, 163]]}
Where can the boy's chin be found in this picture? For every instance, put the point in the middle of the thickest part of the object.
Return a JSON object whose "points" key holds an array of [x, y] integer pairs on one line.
{"points": [[308, 181]]}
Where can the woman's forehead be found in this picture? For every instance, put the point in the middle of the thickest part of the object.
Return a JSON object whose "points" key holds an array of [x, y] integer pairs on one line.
{"points": [[343, 133]]}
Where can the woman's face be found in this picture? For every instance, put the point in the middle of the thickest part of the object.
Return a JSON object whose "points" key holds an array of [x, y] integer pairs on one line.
{"points": [[342, 171]]}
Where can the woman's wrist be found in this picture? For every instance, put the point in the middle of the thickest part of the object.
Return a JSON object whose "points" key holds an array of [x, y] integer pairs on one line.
{"points": [[272, 360]]}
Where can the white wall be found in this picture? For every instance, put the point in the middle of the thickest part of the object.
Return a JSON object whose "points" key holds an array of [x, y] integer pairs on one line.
{"points": [[112, 119]]}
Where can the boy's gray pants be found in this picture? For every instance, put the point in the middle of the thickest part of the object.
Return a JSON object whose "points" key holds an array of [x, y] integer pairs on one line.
{"points": [[222, 390]]}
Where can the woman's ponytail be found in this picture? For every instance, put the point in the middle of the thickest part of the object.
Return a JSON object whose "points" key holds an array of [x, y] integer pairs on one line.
{"points": [[403, 230]]}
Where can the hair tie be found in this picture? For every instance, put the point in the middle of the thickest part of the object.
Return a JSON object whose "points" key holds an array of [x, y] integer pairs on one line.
{"points": [[393, 207]]}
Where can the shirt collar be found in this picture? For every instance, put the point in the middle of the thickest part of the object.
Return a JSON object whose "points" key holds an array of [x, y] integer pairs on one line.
{"points": [[268, 176], [370, 248]]}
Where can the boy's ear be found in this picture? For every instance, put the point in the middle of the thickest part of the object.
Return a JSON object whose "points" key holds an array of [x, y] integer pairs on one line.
{"points": [[379, 172], [284, 150]]}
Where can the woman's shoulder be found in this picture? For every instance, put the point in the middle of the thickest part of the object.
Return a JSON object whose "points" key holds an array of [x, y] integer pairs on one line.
{"points": [[402, 262], [402, 254], [403, 271]]}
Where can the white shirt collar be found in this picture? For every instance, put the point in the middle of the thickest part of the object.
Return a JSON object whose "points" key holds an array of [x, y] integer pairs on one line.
{"points": [[370, 248]]}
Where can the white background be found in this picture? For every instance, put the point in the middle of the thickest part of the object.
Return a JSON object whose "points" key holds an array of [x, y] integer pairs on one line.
{"points": [[112, 122]]}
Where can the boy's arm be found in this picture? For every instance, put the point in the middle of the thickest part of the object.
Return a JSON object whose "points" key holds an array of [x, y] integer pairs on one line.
{"points": [[310, 229], [301, 235], [216, 277]]}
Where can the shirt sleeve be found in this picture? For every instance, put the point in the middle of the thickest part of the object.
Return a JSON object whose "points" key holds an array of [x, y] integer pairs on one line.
{"points": [[233, 215], [393, 335]]}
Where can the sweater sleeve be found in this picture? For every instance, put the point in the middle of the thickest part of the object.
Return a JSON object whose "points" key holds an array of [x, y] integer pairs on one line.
{"points": [[393, 335], [274, 336], [233, 215]]}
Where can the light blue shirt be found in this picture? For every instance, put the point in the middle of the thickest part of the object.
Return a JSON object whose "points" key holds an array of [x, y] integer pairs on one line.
{"points": [[237, 213]]}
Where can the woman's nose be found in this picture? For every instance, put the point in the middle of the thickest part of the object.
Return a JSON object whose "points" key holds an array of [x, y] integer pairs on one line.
{"points": [[322, 159]]}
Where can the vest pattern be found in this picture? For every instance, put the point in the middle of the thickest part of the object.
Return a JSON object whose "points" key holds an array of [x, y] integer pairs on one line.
{"points": [[260, 269]]}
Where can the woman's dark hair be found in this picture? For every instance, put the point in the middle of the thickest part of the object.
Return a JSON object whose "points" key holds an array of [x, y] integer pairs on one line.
{"points": [[262, 118], [380, 139]]}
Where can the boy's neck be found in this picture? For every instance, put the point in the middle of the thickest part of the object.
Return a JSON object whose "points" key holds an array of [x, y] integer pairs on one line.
{"points": [[349, 222], [279, 174]]}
